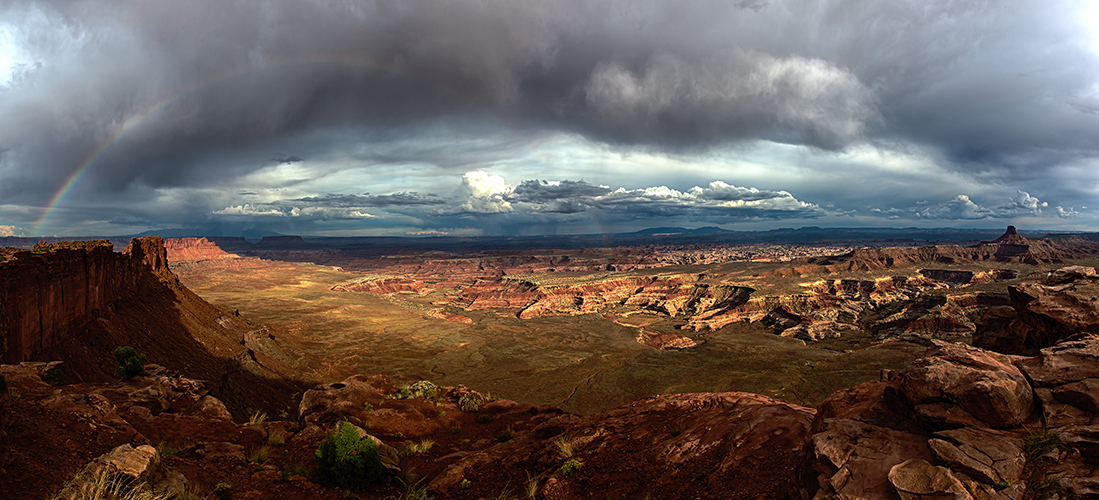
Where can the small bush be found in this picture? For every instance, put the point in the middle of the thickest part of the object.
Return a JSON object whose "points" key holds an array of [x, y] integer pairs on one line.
{"points": [[484, 419], [564, 447], [347, 460], [129, 363], [505, 435], [455, 430], [571, 466], [54, 376], [1038, 442], [465, 484], [367, 407], [416, 448], [107, 485], [420, 389], [168, 450], [276, 438], [257, 417], [413, 491], [471, 401], [294, 470], [259, 456], [223, 491], [1048, 487]]}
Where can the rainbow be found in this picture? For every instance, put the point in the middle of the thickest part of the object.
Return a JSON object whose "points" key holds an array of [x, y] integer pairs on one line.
{"points": [[140, 117]]}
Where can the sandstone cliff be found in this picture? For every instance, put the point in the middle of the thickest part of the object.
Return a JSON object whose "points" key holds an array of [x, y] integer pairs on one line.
{"points": [[49, 292], [180, 249], [77, 302]]}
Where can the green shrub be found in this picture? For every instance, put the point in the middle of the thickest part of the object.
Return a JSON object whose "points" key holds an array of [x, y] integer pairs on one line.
{"points": [[505, 435], [129, 363], [471, 401], [260, 455], [570, 467], [484, 419], [420, 389], [294, 470], [455, 430], [347, 460], [1040, 441], [223, 491], [54, 376]]}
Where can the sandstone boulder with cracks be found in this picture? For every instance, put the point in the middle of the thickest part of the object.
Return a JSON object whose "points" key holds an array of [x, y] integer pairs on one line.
{"points": [[982, 384]]}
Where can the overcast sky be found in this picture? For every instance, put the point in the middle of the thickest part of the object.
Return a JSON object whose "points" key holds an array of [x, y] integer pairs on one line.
{"points": [[395, 117]]}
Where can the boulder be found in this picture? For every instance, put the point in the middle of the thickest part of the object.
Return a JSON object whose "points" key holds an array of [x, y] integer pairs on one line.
{"points": [[1069, 361], [1083, 394], [1064, 306], [138, 465], [988, 456], [852, 459], [983, 384], [211, 407], [326, 403], [917, 479]]}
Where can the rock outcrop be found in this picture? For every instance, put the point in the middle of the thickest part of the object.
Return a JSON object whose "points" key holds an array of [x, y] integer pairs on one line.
{"points": [[1066, 303], [180, 249], [49, 292], [963, 422]]}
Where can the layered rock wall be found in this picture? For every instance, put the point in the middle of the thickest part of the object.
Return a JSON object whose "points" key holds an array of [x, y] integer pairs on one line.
{"points": [[180, 249], [48, 293]]}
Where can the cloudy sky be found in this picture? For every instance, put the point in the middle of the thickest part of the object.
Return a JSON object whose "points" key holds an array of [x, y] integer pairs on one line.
{"points": [[397, 117]]}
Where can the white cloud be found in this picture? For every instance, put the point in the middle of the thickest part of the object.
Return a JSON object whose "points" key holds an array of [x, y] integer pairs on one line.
{"points": [[1066, 212], [249, 210], [484, 193], [1024, 201], [7, 230], [962, 207]]}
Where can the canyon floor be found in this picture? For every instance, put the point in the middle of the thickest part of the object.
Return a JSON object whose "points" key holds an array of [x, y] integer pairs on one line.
{"points": [[582, 363]]}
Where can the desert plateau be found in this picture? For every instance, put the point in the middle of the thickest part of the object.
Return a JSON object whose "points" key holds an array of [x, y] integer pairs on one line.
{"points": [[694, 370]]}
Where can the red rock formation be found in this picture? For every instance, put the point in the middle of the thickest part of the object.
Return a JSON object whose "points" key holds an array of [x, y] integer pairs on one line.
{"points": [[1044, 313], [664, 340], [46, 295], [381, 286], [1011, 237], [875, 259], [959, 413], [180, 249]]}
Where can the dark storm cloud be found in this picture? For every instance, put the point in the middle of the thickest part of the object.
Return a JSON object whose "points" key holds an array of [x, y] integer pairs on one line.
{"points": [[367, 200], [534, 191], [159, 95], [286, 160]]}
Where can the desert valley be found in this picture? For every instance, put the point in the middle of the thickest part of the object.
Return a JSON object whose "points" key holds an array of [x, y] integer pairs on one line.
{"points": [[666, 366]]}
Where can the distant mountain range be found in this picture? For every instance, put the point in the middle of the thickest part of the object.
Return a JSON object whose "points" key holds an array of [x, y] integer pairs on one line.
{"points": [[681, 230]]}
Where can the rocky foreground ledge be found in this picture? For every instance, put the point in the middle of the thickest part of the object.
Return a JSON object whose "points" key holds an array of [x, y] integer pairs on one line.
{"points": [[962, 423]]}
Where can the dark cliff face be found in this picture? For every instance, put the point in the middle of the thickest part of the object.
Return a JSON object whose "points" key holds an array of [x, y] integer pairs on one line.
{"points": [[48, 293]]}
